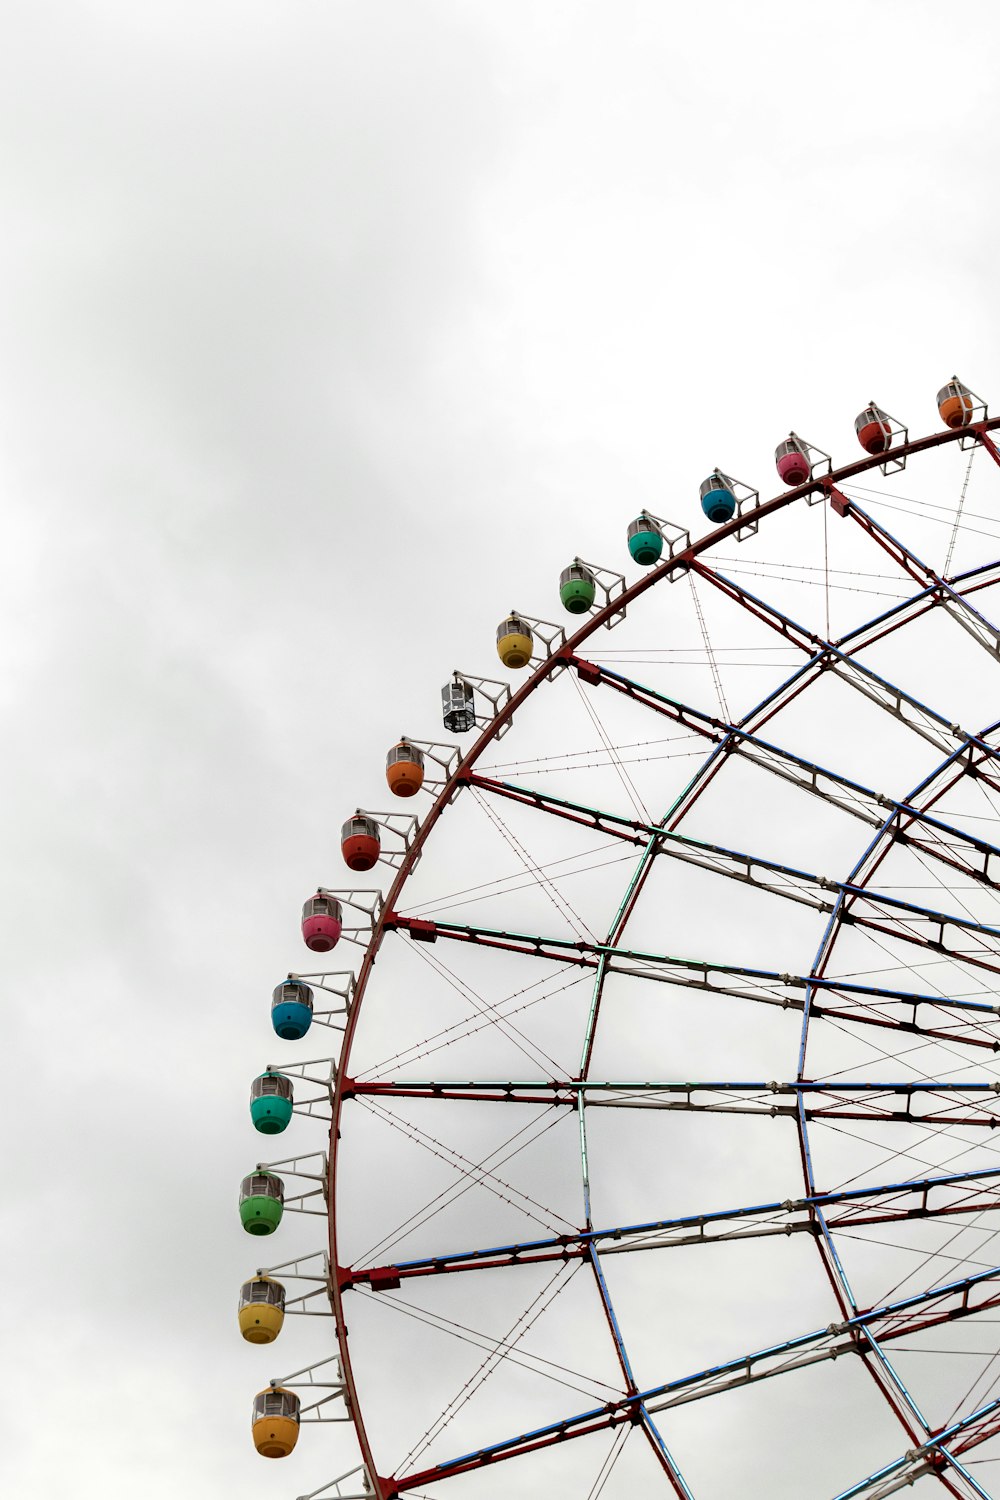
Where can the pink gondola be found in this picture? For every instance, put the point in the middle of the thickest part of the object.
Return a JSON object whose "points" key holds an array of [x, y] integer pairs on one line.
{"points": [[322, 922], [792, 461]]}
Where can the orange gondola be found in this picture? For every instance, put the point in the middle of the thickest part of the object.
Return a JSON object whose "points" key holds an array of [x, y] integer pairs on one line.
{"points": [[956, 404], [404, 769]]}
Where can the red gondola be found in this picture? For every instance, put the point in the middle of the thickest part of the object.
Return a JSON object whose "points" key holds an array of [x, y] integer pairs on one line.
{"points": [[360, 843], [874, 429]]}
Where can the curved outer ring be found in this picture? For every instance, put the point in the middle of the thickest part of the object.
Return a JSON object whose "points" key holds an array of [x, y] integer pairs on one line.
{"points": [[383, 1489]]}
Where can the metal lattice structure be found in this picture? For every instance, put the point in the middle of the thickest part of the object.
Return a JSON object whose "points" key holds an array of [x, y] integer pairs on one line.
{"points": [[878, 1062]]}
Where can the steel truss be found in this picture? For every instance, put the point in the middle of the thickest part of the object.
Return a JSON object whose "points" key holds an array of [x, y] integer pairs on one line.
{"points": [[852, 1336], [816, 996], [848, 1000], [886, 1204]]}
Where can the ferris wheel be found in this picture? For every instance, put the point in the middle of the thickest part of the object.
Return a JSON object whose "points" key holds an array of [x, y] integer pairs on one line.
{"points": [[658, 1150]]}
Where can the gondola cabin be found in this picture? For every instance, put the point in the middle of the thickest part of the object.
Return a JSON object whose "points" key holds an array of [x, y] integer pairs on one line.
{"points": [[645, 540], [717, 499], [322, 922], [956, 404], [360, 843], [291, 1009], [262, 1310], [275, 1422], [262, 1202], [458, 706], [791, 459], [271, 1101], [577, 589], [404, 769], [515, 642], [874, 429]]}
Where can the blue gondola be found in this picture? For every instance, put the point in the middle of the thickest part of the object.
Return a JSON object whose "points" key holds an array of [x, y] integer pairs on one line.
{"points": [[292, 1009], [717, 499]]}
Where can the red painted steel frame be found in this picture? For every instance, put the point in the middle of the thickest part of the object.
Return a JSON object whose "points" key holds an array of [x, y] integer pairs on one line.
{"points": [[385, 1488]]}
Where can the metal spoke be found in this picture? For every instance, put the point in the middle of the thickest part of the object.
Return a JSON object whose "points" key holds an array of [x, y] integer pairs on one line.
{"points": [[839, 1100], [853, 1208], [763, 986]]}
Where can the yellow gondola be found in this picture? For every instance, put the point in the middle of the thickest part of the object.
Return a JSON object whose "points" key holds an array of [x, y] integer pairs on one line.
{"points": [[275, 1422], [262, 1310], [515, 642]]}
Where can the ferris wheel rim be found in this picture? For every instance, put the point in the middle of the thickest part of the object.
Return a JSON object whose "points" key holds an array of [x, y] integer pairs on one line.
{"points": [[384, 1487]]}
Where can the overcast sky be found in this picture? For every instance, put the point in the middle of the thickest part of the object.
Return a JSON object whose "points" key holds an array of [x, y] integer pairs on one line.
{"points": [[329, 331]]}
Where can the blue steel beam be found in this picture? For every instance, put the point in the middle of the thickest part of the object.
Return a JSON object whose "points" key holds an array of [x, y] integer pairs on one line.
{"points": [[825, 656], [733, 1098], [851, 797], [589, 1250], [790, 883], [944, 593], [878, 1007], [563, 1091], [931, 1457], [895, 1320], [883, 1204], [766, 986], [862, 636], [663, 1452]]}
